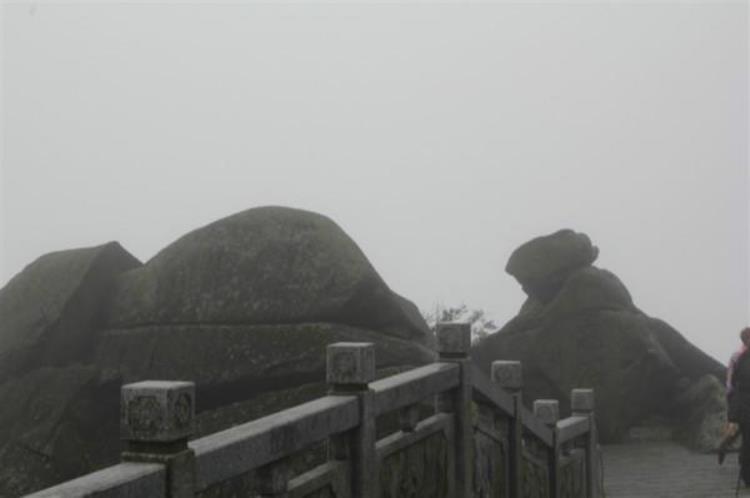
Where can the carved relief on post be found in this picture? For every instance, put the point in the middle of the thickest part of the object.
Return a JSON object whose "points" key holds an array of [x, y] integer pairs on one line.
{"points": [[507, 374], [156, 421], [453, 339], [157, 411], [547, 411], [350, 364]]}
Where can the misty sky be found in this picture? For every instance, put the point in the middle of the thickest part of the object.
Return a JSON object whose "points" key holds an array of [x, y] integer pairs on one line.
{"points": [[439, 136]]}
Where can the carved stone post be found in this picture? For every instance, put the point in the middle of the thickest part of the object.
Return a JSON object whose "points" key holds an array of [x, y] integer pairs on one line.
{"points": [[507, 374], [454, 341], [582, 405], [548, 412], [350, 367], [156, 420]]}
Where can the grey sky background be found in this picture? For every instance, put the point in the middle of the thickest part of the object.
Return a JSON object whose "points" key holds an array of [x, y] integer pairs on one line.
{"points": [[439, 136]]}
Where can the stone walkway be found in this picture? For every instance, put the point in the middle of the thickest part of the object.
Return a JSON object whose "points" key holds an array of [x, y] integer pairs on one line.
{"points": [[666, 470]]}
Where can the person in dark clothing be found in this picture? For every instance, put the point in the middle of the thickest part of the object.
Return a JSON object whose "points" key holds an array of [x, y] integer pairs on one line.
{"points": [[739, 404], [731, 429]]}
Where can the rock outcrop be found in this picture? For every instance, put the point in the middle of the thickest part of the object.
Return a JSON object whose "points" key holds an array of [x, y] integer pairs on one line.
{"points": [[52, 310], [229, 361], [244, 307], [262, 266], [542, 265], [56, 423], [579, 327]]}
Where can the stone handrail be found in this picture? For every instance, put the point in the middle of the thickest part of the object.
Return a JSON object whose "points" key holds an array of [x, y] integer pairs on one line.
{"points": [[398, 391], [121, 480], [235, 451], [157, 419]]}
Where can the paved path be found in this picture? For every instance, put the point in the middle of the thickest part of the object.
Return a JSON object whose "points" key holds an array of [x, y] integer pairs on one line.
{"points": [[666, 470]]}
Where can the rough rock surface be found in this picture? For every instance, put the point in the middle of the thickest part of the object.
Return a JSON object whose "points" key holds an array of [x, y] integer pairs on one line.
{"points": [[700, 410], [263, 266], [244, 307], [229, 361], [542, 265], [56, 423], [588, 333], [53, 308]]}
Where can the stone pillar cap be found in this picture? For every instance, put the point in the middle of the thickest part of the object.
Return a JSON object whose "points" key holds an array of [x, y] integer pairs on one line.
{"points": [[453, 338], [508, 374], [157, 411], [547, 411], [350, 363]]}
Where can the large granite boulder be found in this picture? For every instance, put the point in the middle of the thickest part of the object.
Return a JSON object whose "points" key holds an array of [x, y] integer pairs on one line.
{"points": [[56, 423], [230, 363], [542, 265], [51, 311], [248, 303], [583, 330], [263, 266], [244, 307]]}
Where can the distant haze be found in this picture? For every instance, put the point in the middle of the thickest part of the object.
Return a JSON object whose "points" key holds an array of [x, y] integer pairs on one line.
{"points": [[439, 136]]}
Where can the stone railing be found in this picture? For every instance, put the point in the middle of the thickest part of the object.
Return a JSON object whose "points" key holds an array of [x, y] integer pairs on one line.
{"points": [[455, 433]]}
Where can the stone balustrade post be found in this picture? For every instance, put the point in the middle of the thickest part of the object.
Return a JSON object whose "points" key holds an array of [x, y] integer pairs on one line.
{"points": [[548, 412], [156, 421], [508, 375], [350, 367], [454, 342], [582, 405]]}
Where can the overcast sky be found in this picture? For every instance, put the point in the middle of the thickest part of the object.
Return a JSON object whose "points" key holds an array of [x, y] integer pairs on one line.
{"points": [[439, 136]]}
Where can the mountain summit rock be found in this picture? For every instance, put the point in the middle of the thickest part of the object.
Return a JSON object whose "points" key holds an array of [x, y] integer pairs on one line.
{"points": [[579, 327], [244, 307], [542, 265]]}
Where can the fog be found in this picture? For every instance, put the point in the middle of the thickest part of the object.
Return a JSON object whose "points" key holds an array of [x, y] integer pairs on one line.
{"points": [[438, 136]]}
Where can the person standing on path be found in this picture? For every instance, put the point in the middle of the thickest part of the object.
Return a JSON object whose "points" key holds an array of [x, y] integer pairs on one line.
{"points": [[730, 432], [738, 392]]}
